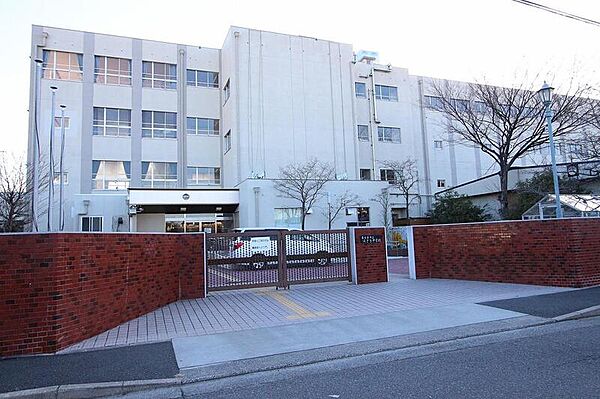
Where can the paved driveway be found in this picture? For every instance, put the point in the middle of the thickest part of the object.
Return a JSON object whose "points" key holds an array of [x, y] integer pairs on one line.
{"points": [[248, 309]]}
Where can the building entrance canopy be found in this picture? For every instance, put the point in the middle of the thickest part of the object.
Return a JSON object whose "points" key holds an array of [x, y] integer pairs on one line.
{"points": [[183, 200]]}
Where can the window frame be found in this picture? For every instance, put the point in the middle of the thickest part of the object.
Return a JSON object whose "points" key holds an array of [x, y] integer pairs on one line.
{"points": [[362, 94], [197, 131], [154, 78], [58, 122], [197, 83], [54, 70], [387, 172], [441, 183], [119, 75], [438, 144], [366, 138], [91, 224], [106, 182], [227, 91], [167, 182], [360, 174], [153, 128], [104, 126], [56, 178], [216, 171], [389, 97], [227, 141], [382, 131]]}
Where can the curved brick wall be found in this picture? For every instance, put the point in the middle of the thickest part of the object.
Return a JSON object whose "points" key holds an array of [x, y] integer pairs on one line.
{"points": [[60, 288]]}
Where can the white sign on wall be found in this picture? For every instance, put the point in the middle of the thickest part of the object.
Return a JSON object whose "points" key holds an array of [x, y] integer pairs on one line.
{"points": [[260, 244]]}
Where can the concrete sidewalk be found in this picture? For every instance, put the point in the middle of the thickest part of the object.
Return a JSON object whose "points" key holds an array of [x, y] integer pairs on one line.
{"points": [[230, 311]]}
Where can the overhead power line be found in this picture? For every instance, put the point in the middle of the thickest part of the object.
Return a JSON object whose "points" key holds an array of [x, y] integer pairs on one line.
{"points": [[558, 12]]}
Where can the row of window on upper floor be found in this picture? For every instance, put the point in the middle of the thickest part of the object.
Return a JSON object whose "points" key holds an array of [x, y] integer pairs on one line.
{"points": [[384, 134], [156, 124], [386, 93], [111, 70], [116, 175], [389, 175]]}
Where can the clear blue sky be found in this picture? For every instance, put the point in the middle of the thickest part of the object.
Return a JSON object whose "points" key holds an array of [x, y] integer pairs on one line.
{"points": [[456, 39]]}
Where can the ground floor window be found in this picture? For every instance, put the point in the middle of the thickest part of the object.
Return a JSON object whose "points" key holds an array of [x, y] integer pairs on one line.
{"points": [[199, 222], [288, 217], [91, 223]]}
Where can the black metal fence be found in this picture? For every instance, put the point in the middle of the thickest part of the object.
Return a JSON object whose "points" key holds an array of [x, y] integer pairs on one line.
{"points": [[276, 258]]}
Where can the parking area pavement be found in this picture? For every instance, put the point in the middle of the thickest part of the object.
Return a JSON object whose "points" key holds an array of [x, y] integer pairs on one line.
{"points": [[231, 311]]}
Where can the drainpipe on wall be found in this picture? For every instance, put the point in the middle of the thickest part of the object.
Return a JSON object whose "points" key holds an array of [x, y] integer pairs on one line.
{"points": [[256, 207], [375, 120]]}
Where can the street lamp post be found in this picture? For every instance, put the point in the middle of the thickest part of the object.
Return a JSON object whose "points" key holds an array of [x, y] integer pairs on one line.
{"points": [[51, 160], [545, 94], [61, 216]]}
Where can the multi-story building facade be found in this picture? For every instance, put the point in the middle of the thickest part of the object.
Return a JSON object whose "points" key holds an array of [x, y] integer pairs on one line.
{"points": [[171, 137]]}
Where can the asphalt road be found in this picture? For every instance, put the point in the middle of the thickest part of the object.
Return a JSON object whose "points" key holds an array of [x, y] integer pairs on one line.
{"points": [[560, 360], [119, 364], [551, 305]]}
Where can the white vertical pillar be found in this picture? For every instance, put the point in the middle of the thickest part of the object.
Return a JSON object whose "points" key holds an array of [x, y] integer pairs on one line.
{"points": [[412, 267], [352, 249]]}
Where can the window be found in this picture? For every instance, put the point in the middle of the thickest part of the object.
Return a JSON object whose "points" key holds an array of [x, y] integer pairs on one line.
{"points": [[56, 179], [434, 102], [62, 65], [288, 217], [363, 132], [387, 175], [441, 183], [112, 71], [479, 107], [226, 92], [438, 144], [228, 141], [159, 75], [58, 122], [365, 174], [388, 93], [360, 90], [91, 223], [388, 134], [203, 176], [159, 124], [111, 122], [202, 78], [203, 126], [460, 105], [111, 175], [159, 174]]}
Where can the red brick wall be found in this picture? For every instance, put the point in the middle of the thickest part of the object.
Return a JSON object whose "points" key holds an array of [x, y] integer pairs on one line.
{"points": [[58, 289], [546, 252], [371, 258]]}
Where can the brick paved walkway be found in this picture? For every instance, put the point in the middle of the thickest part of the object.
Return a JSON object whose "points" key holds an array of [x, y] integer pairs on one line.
{"points": [[248, 309]]}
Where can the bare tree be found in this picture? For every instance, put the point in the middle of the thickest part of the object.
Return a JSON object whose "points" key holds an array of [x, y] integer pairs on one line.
{"points": [[337, 203], [304, 183], [383, 199], [406, 180], [508, 122], [16, 188]]}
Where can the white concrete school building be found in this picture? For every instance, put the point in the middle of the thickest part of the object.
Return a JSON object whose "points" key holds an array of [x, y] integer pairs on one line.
{"points": [[173, 137]]}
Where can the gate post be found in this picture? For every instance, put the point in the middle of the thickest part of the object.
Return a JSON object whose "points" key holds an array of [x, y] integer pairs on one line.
{"points": [[368, 253], [282, 261]]}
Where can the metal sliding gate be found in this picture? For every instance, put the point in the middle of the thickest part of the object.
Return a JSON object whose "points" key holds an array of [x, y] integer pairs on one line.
{"points": [[276, 258]]}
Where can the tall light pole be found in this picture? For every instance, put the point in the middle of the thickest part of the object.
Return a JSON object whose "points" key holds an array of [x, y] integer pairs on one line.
{"points": [[61, 216], [51, 160], [35, 159], [545, 94]]}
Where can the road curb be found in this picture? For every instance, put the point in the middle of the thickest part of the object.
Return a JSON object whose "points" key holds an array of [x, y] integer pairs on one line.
{"points": [[92, 390], [579, 314], [237, 368]]}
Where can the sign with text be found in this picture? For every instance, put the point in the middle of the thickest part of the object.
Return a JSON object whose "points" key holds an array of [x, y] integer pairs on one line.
{"points": [[371, 239], [260, 244]]}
